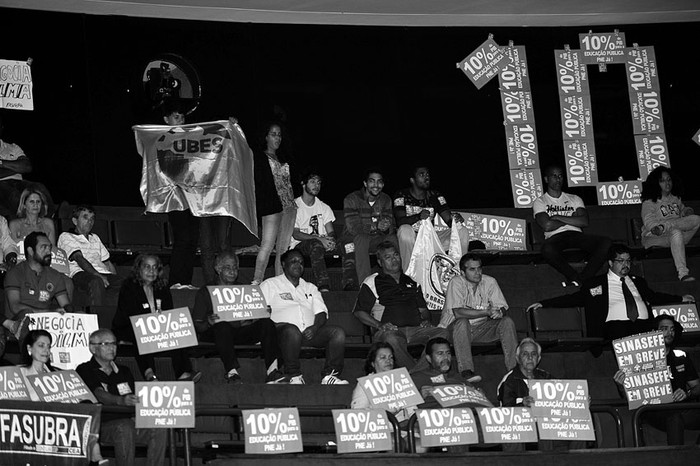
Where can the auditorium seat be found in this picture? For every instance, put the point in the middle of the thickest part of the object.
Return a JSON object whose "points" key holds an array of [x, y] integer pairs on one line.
{"points": [[138, 234], [561, 329]]}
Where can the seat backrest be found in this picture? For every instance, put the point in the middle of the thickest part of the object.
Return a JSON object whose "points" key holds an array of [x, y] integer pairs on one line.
{"points": [[566, 322], [129, 234]]}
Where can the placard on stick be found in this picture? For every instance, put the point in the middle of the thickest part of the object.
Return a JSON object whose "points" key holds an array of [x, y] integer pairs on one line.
{"points": [[360, 430], [164, 331], [238, 302], [443, 427], [391, 390], [272, 431]]}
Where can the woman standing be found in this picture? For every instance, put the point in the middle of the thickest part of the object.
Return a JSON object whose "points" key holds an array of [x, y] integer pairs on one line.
{"points": [[146, 291], [274, 200], [667, 222]]}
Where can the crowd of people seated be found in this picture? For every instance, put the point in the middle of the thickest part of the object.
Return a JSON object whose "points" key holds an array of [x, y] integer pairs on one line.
{"points": [[389, 302]]}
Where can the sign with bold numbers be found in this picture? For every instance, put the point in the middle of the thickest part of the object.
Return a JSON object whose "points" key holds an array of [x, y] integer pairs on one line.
{"points": [[70, 336], [61, 387], [526, 186], [608, 47], [571, 72], [484, 63], [455, 395], [238, 302], [358, 430], [391, 390], [503, 233], [685, 314], [565, 429], [620, 192], [652, 152], [576, 116], [646, 112], [443, 427], [507, 425], [515, 77], [559, 398], [163, 331], [517, 107], [12, 384], [272, 431], [165, 405], [521, 140], [642, 75], [581, 164], [642, 352]]}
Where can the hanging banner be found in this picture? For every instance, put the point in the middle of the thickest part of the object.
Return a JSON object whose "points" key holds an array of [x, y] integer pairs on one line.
{"points": [[507, 425], [647, 117], [70, 336], [642, 75], [581, 163], [517, 107], [272, 431], [164, 331], [514, 76], [47, 434], [484, 63], [238, 302], [521, 141], [502, 233], [444, 427], [391, 390], [652, 152], [12, 385], [607, 47], [526, 186], [576, 116], [16, 85], [620, 193], [685, 314], [571, 72], [358, 430], [204, 167]]}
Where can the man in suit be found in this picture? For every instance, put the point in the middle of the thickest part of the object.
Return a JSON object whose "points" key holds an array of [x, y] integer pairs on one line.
{"points": [[617, 304]]}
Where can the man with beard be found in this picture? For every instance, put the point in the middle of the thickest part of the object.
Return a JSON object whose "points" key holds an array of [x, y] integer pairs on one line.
{"points": [[685, 384], [31, 285], [417, 203], [313, 229], [368, 221], [562, 217], [617, 304]]}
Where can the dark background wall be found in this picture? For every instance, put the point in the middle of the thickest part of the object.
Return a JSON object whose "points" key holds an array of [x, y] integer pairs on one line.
{"points": [[353, 97]]}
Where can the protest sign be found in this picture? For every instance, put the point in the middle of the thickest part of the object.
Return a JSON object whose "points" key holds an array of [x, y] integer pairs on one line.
{"points": [[272, 430], [16, 85], [652, 152], [566, 399], [514, 75], [484, 63], [61, 387], [565, 429], [502, 233], [620, 193], [70, 336], [648, 387], [165, 404], [49, 434], [507, 425], [163, 331], [391, 390], [684, 314], [526, 185], [581, 162], [604, 47], [572, 72], [642, 352], [576, 116], [238, 302], [455, 395], [443, 427], [359, 430], [12, 385], [521, 141]]}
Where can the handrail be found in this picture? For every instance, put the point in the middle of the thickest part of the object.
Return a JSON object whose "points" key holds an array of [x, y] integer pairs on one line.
{"points": [[637, 416]]}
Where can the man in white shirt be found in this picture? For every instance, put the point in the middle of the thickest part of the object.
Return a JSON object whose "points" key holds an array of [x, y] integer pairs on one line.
{"points": [[611, 310], [300, 316], [313, 229], [563, 216]]}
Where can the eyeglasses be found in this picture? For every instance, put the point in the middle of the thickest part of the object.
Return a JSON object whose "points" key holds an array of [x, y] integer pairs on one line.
{"points": [[623, 261], [105, 343]]}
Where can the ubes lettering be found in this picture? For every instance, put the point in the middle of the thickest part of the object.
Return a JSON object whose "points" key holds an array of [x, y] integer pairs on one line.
{"points": [[193, 146]]}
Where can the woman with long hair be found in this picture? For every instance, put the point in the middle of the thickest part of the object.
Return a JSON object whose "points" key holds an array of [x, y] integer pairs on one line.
{"points": [[31, 216], [667, 221], [146, 291], [274, 199]]}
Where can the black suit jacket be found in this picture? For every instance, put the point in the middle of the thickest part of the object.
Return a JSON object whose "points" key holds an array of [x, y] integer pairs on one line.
{"points": [[593, 296], [132, 302]]}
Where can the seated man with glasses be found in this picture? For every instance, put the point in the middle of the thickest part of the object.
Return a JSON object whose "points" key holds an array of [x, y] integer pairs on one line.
{"points": [[113, 385], [617, 304]]}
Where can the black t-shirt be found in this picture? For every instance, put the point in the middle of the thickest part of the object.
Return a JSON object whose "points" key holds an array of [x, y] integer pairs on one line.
{"points": [[119, 382], [401, 301], [682, 369]]}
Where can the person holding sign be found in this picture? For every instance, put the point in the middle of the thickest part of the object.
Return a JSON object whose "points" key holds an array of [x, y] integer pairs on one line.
{"points": [[685, 384], [300, 315], [35, 356], [146, 291], [113, 385], [404, 319], [90, 267], [227, 334], [368, 221], [617, 303], [667, 221], [417, 203], [32, 285], [474, 311], [563, 216]]}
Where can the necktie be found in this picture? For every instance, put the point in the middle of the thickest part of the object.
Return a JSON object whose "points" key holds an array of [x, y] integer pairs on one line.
{"points": [[630, 304]]}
